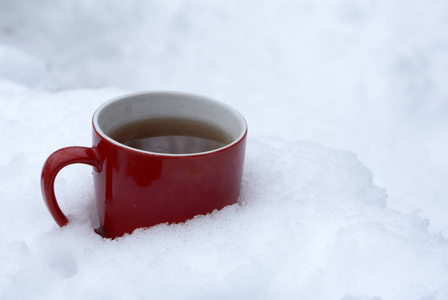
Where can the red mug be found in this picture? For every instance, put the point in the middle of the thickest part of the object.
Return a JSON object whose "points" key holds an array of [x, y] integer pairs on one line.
{"points": [[137, 188]]}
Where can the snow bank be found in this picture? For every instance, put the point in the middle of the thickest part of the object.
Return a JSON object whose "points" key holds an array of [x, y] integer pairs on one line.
{"points": [[310, 225]]}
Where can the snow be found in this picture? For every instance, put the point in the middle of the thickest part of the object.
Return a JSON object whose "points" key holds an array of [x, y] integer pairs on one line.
{"points": [[344, 191]]}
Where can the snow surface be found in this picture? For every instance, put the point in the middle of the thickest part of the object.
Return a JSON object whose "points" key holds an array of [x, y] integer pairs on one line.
{"points": [[344, 192]]}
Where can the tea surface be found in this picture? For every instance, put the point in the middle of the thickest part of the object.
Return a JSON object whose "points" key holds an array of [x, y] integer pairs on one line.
{"points": [[171, 135]]}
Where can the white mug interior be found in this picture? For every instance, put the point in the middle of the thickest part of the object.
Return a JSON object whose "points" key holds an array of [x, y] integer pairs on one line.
{"points": [[143, 105]]}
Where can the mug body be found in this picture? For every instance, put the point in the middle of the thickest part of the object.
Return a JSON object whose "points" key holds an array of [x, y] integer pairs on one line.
{"points": [[137, 188]]}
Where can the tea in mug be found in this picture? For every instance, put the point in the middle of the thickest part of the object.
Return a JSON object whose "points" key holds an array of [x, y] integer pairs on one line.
{"points": [[171, 135]]}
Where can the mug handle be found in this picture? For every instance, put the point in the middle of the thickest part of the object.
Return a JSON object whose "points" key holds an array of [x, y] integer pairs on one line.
{"points": [[54, 163]]}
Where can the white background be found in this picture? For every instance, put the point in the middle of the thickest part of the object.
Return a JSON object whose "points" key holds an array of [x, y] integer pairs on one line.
{"points": [[345, 186]]}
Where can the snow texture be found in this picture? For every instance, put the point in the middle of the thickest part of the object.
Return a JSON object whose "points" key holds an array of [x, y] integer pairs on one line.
{"points": [[344, 190]]}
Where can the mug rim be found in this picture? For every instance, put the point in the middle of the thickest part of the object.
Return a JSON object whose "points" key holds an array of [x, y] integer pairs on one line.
{"points": [[105, 136]]}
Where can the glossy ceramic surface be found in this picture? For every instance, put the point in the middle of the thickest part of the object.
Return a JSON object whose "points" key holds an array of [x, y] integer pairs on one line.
{"points": [[135, 188]]}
